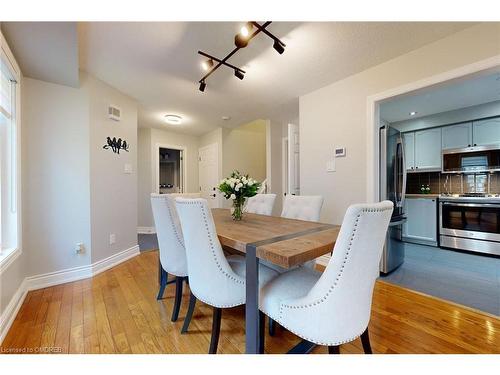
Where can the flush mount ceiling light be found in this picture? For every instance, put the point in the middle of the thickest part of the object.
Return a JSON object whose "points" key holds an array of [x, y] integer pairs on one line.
{"points": [[173, 119], [241, 40], [413, 113]]}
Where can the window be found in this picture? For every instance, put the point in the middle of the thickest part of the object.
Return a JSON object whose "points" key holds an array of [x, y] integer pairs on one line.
{"points": [[8, 154]]}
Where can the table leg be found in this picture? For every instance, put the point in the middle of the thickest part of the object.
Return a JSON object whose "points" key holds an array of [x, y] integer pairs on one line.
{"points": [[252, 330]]}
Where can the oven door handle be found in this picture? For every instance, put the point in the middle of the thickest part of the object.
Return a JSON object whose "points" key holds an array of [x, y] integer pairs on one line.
{"points": [[471, 204]]}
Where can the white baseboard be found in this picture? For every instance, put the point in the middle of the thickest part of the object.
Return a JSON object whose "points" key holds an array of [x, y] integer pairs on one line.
{"points": [[146, 230], [10, 312], [56, 278]]}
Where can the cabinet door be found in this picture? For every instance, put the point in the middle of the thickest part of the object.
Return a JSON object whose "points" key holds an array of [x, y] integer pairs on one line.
{"points": [[428, 149], [421, 223], [409, 145], [457, 136], [486, 132]]}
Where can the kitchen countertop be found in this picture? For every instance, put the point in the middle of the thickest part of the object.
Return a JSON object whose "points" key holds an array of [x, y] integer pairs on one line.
{"points": [[428, 196]]}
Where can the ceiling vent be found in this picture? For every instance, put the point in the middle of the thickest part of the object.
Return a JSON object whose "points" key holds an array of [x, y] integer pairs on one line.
{"points": [[114, 113]]}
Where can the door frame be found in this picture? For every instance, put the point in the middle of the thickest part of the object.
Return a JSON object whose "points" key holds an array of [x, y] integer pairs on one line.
{"points": [[284, 164], [373, 114], [155, 157]]}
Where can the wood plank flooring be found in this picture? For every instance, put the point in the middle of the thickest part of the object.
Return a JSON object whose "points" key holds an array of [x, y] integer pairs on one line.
{"points": [[117, 312]]}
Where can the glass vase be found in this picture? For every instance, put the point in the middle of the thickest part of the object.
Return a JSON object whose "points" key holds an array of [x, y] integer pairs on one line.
{"points": [[237, 209]]}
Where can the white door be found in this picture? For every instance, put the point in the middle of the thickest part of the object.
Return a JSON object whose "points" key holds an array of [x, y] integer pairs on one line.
{"points": [[293, 160], [208, 162]]}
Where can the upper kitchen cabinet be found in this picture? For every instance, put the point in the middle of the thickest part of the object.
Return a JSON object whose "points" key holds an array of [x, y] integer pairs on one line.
{"points": [[486, 132], [457, 136], [428, 149], [409, 145]]}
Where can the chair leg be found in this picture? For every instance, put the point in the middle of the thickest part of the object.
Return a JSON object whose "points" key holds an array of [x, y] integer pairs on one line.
{"points": [[189, 315], [365, 340], [163, 276], [262, 331], [272, 327], [334, 349], [214, 341], [178, 298]]}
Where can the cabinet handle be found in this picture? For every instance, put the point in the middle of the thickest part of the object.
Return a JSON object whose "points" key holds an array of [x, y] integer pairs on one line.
{"points": [[468, 145], [475, 144]]}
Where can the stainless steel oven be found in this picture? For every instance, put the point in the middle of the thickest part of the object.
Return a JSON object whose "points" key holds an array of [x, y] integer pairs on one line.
{"points": [[470, 223]]}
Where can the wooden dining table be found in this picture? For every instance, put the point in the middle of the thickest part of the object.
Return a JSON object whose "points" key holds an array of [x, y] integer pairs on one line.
{"points": [[284, 242]]}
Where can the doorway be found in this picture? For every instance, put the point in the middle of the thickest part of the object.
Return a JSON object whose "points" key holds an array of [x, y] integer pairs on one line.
{"points": [[169, 165]]}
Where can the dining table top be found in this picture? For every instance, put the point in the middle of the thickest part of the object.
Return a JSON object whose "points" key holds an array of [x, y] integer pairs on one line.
{"points": [[281, 241]]}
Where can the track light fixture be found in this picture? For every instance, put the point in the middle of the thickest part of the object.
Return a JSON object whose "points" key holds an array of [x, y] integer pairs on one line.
{"points": [[278, 47], [241, 40], [239, 74]]}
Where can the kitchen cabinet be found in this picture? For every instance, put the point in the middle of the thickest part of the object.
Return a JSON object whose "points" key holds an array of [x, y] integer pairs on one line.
{"points": [[457, 136], [409, 145], [423, 150], [421, 224], [486, 132]]}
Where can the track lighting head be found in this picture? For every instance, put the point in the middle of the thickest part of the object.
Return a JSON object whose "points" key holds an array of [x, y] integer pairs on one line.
{"points": [[240, 41], [202, 86], [239, 74], [245, 30], [207, 64], [278, 47]]}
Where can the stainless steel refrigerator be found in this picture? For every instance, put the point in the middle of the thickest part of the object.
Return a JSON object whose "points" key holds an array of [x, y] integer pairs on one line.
{"points": [[393, 188]]}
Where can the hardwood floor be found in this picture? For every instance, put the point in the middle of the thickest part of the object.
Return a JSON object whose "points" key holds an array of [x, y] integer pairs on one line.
{"points": [[117, 312]]}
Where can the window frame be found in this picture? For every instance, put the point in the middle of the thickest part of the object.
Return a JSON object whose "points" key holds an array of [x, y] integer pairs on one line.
{"points": [[9, 255]]}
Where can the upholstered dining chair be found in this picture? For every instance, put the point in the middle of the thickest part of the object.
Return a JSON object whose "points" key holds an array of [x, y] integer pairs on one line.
{"points": [[334, 308], [213, 279], [302, 207], [261, 204], [171, 246]]}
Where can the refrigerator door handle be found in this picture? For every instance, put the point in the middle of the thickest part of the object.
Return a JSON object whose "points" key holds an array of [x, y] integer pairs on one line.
{"points": [[403, 193], [399, 164]]}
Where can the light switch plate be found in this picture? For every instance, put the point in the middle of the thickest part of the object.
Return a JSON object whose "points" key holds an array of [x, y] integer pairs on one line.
{"points": [[112, 238], [128, 168], [330, 166]]}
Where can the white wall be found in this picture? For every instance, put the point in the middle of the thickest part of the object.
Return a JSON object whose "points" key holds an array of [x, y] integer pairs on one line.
{"points": [[148, 140], [56, 165], [144, 175], [244, 149], [113, 193], [336, 115]]}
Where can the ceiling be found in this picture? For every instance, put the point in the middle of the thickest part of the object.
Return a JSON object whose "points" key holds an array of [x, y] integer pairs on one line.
{"points": [[157, 64], [465, 92], [47, 51]]}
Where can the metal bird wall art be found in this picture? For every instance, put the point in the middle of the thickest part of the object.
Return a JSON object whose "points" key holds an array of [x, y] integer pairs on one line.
{"points": [[116, 145]]}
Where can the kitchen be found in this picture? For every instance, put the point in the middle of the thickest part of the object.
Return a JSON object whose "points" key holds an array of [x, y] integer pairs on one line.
{"points": [[440, 164]]}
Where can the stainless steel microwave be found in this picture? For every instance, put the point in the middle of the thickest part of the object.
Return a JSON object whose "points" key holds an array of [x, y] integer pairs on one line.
{"points": [[472, 159]]}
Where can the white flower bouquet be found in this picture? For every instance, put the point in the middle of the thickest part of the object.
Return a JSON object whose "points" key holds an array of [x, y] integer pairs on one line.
{"points": [[238, 187]]}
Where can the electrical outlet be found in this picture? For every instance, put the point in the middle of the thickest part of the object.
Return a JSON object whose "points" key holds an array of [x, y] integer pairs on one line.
{"points": [[79, 248], [112, 238]]}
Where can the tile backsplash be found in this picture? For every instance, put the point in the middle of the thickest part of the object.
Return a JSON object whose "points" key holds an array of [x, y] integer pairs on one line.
{"points": [[454, 183]]}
